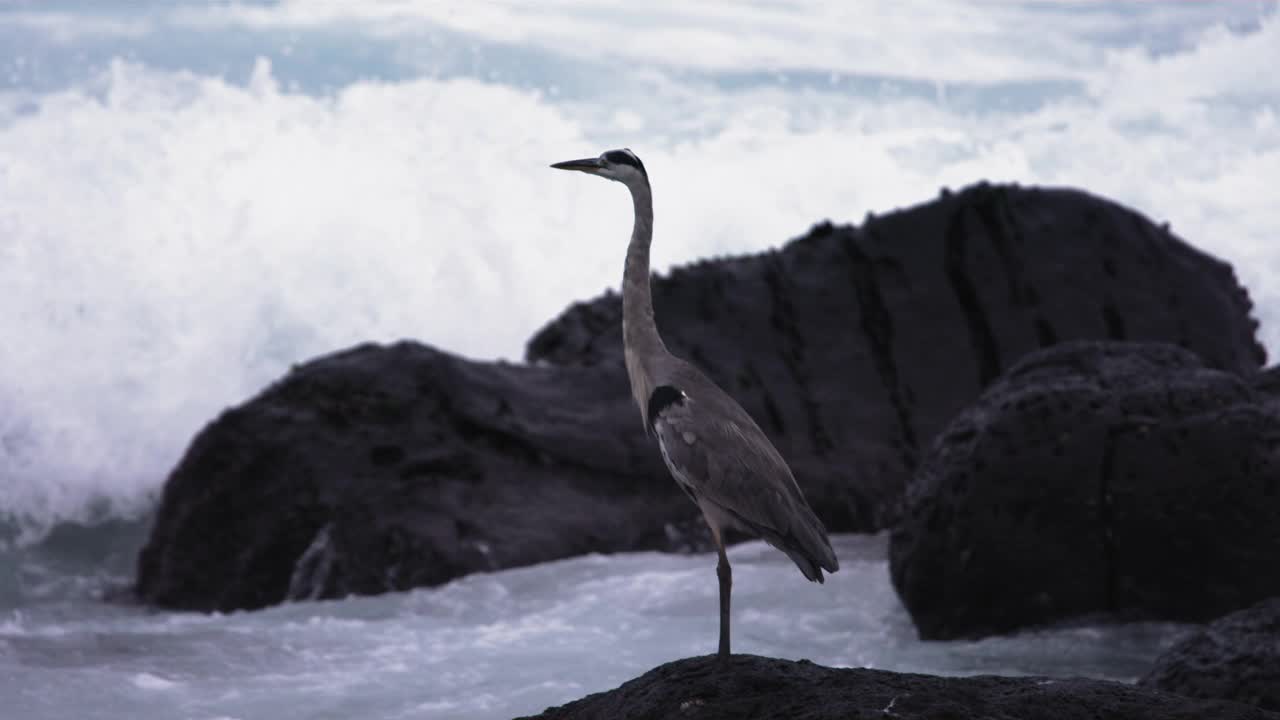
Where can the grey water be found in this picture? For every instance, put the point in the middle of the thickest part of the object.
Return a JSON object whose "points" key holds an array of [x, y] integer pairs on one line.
{"points": [[489, 645]]}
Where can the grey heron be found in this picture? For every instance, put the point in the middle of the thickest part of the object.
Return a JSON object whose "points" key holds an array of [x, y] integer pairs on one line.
{"points": [[714, 450]]}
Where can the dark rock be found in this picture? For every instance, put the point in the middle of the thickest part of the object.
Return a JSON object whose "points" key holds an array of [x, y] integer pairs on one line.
{"points": [[853, 347], [1117, 478], [386, 468], [757, 687], [1236, 657]]}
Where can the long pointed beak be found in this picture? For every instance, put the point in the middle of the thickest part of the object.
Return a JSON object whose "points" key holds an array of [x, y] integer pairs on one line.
{"points": [[587, 165]]}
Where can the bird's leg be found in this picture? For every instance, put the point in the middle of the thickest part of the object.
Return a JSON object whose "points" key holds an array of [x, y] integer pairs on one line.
{"points": [[725, 574]]}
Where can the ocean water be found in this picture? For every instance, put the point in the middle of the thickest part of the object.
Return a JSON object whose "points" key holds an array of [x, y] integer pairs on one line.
{"points": [[195, 196], [504, 644]]}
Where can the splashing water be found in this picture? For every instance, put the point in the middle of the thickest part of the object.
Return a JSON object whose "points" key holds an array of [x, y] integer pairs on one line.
{"points": [[509, 643], [196, 197]]}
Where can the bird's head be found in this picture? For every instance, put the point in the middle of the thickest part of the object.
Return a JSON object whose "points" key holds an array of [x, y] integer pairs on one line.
{"points": [[621, 165]]}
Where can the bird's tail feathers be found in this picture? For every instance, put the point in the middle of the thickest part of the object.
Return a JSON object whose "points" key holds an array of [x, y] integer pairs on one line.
{"points": [[806, 564], [808, 547]]}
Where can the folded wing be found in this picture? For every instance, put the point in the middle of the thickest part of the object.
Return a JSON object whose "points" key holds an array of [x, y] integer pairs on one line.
{"points": [[727, 465]]}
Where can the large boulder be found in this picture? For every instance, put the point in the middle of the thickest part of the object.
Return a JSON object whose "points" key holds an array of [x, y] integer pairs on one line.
{"points": [[1119, 478], [854, 346], [385, 468], [1236, 657], [758, 687]]}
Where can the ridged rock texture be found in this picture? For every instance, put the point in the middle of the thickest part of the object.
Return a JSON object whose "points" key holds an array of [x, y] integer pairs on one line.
{"points": [[1093, 477], [382, 468], [1236, 657], [755, 687]]}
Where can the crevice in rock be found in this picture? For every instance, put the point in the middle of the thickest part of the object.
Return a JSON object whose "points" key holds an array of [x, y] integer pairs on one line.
{"points": [[771, 409], [985, 350], [1045, 336], [1113, 319], [1001, 228], [785, 323], [877, 325]]}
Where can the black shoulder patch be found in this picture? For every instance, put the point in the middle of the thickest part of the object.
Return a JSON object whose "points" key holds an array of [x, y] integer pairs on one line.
{"points": [[662, 397], [619, 157]]}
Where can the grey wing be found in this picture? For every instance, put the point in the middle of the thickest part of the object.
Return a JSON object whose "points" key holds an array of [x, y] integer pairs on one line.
{"points": [[728, 466]]}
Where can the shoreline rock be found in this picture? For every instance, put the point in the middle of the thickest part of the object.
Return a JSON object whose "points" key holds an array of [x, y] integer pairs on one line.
{"points": [[387, 468], [1119, 478], [1236, 657], [758, 687]]}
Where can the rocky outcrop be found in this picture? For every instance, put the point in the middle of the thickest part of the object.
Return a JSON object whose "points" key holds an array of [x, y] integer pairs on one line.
{"points": [[1119, 478], [386, 468], [1236, 657], [757, 687], [854, 346]]}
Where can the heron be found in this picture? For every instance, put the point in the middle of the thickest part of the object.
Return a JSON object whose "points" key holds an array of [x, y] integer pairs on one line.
{"points": [[714, 450]]}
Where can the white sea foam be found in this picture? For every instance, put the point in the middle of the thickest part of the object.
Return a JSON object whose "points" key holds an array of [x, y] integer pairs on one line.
{"points": [[147, 681], [170, 240], [984, 40]]}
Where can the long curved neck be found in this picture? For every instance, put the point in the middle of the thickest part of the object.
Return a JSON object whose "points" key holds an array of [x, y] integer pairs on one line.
{"points": [[640, 337]]}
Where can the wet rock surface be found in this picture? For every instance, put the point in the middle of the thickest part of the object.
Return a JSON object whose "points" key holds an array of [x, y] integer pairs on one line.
{"points": [[758, 687], [383, 468], [1236, 657], [1118, 478]]}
